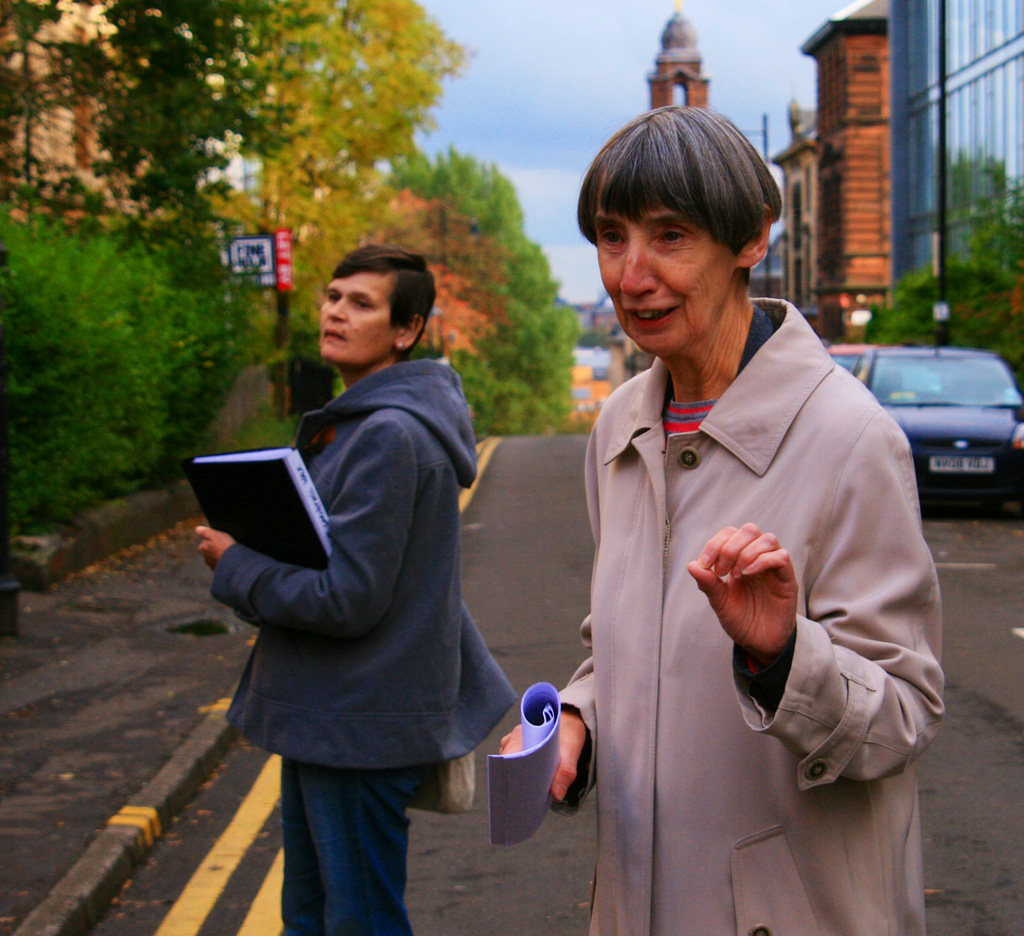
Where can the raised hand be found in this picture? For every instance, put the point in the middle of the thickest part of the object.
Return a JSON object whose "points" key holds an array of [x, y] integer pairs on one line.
{"points": [[750, 582]]}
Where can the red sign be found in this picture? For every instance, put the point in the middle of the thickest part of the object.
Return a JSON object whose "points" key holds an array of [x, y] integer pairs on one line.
{"points": [[283, 252]]}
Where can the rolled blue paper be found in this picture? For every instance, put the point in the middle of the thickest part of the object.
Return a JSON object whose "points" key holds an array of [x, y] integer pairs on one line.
{"points": [[540, 712], [518, 785]]}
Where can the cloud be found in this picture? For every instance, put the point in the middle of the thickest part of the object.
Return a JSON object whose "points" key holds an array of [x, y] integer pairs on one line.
{"points": [[549, 82], [548, 197], [575, 267]]}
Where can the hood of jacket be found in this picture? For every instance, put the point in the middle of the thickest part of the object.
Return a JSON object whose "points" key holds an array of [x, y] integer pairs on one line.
{"points": [[429, 391]]}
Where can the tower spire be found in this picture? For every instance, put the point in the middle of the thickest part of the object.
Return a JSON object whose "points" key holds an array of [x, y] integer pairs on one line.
{"points": [[678, 78]]}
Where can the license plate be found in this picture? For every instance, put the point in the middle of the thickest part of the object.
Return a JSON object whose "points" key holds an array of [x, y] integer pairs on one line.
{"points": [[961, 464]]}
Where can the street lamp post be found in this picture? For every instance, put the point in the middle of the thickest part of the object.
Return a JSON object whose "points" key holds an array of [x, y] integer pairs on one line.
{"points": [[763, 133], [941, 309], [9, 586]]}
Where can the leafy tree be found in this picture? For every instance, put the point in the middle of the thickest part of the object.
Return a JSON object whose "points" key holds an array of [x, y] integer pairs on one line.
{"points": [[521, 377], [179, 90], [33, 87], [1002, 239], [151, 96], [593, 338], [985, 291], [349, 83]]}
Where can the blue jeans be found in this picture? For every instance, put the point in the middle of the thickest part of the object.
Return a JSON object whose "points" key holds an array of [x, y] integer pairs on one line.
{"points": [[346, 840]]}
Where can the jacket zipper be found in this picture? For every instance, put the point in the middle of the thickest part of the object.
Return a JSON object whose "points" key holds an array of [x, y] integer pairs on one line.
{"points": [[664, 552]]}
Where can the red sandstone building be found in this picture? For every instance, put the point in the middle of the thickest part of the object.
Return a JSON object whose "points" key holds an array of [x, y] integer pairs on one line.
{"points": [[678, 77], [850, 227]]}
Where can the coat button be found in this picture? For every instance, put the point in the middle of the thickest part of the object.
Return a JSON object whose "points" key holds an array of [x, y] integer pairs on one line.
{"points": [[689, 457], [761, 931], [815, 770]]}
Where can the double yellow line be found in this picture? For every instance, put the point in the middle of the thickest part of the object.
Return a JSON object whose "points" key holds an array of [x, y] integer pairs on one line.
{"points": [[206, 885], [204, 888]]}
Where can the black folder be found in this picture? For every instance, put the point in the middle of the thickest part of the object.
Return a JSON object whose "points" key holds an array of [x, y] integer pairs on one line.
{"points": [[266, 500]]}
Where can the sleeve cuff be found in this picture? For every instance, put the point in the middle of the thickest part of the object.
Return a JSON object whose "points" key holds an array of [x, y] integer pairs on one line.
{"points": [[767, 684]]}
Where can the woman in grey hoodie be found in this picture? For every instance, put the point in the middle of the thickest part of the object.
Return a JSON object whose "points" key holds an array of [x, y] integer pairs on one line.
{"points": [[369, 671]]}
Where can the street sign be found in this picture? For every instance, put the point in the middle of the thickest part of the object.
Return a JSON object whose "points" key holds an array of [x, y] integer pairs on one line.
{"points": [[283, 254], [252, 256]]}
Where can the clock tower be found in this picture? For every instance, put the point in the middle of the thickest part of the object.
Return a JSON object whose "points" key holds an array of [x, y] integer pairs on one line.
{"points": [[678, 78]]}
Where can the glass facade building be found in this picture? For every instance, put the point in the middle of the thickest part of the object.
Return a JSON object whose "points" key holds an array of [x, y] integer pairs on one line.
{"points": [[984, 118]]}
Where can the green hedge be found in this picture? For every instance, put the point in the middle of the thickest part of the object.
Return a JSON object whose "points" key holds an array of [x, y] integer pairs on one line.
{"points": [[114, 370]]}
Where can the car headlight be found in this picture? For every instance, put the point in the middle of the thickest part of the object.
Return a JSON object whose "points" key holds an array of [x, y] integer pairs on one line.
{"points": [[1018, 436]]}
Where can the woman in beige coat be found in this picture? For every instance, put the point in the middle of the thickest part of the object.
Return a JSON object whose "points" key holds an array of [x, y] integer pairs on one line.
{"points": [[765, 619]]}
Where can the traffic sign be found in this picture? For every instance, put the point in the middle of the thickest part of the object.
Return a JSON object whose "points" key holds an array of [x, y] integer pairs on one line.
{"points": [[252, 256], [283, 255]]}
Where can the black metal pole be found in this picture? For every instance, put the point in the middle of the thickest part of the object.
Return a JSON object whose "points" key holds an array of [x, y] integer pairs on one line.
{"points": [[9, 586], [942, 306], [281, 341], [768, 252]]}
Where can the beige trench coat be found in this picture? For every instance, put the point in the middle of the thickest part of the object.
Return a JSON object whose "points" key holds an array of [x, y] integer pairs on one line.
{"points": [[716, 817]]}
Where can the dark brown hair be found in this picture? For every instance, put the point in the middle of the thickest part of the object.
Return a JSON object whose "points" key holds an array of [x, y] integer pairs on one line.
{"points": [[413, 292], [689, 160]]}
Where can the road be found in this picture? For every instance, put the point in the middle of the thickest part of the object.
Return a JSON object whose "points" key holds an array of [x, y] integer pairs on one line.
{"points": [[972, 778], [527, 553]]}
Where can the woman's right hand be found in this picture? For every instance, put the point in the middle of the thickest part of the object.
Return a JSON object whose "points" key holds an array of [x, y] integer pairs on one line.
{"points": [[213, 544], [572, 735]]}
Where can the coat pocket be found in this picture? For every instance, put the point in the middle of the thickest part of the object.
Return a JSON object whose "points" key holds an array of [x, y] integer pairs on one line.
{"points": [[768, 895]]}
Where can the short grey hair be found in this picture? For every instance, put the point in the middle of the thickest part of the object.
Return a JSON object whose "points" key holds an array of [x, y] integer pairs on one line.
{"points": [[689, 160]]}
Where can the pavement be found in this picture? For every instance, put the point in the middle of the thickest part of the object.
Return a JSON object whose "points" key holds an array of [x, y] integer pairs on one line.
{"points": [[112, 700], [113, 694]]}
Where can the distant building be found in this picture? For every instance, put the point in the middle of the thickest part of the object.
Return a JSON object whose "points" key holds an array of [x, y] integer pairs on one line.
{"points": [[627, 360], [590, 383], [596, 316], [853, 228], [49, 141], [797, 245], [678, 77], [985, 118], [766, 277]]}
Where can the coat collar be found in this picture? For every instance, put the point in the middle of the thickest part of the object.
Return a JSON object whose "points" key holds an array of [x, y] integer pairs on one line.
{"points": [[754, 414]]}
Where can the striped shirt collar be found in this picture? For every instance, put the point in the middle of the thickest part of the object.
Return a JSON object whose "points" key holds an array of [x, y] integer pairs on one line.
{"points": [[684, 417]]}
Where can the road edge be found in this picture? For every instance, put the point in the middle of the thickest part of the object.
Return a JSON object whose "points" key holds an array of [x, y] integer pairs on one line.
{"points": [[79, 900]]}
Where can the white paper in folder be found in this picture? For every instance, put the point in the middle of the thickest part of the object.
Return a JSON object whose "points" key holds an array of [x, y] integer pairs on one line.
{"points": [[518, 785]]}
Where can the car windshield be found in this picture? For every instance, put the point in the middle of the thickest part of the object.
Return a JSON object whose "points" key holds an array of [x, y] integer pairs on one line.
{"points": [[845, 359], [943, 381]]}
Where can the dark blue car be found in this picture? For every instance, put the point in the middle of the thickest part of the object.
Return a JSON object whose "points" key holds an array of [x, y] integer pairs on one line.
{"points": [[963, 412]]}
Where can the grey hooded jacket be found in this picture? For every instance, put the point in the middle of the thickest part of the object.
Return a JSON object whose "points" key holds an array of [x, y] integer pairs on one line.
{"points": [[374, 662]]}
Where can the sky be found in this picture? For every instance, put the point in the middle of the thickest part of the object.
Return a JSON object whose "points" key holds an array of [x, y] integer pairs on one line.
{"points": [[548, 81]]}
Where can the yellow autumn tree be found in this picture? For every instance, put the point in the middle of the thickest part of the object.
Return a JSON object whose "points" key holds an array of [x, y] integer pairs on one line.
{"points": [[351, 81]]}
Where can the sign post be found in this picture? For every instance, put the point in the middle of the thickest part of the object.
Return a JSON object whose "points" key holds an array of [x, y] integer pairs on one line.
{"points": [[252, 257], [266, 260], [940, 313], [284, 282]]}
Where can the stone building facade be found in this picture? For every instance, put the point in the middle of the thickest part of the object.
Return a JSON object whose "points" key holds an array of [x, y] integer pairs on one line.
{"points": [[799, 165], [853, 236]]}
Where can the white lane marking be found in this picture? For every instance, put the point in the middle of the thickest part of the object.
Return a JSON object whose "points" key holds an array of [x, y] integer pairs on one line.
{"points": [[981, 566], [1019, 631]]}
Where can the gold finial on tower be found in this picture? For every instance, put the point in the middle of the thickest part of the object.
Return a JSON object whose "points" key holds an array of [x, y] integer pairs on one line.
{"points": [[679, 6]]}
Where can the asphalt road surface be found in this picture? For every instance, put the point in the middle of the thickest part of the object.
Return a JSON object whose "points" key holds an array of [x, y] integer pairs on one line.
{"points": [[527, 554]]}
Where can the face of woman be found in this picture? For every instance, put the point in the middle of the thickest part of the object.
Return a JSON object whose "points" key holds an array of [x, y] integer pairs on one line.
{"points": [[356, 334], [673, 286]]}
